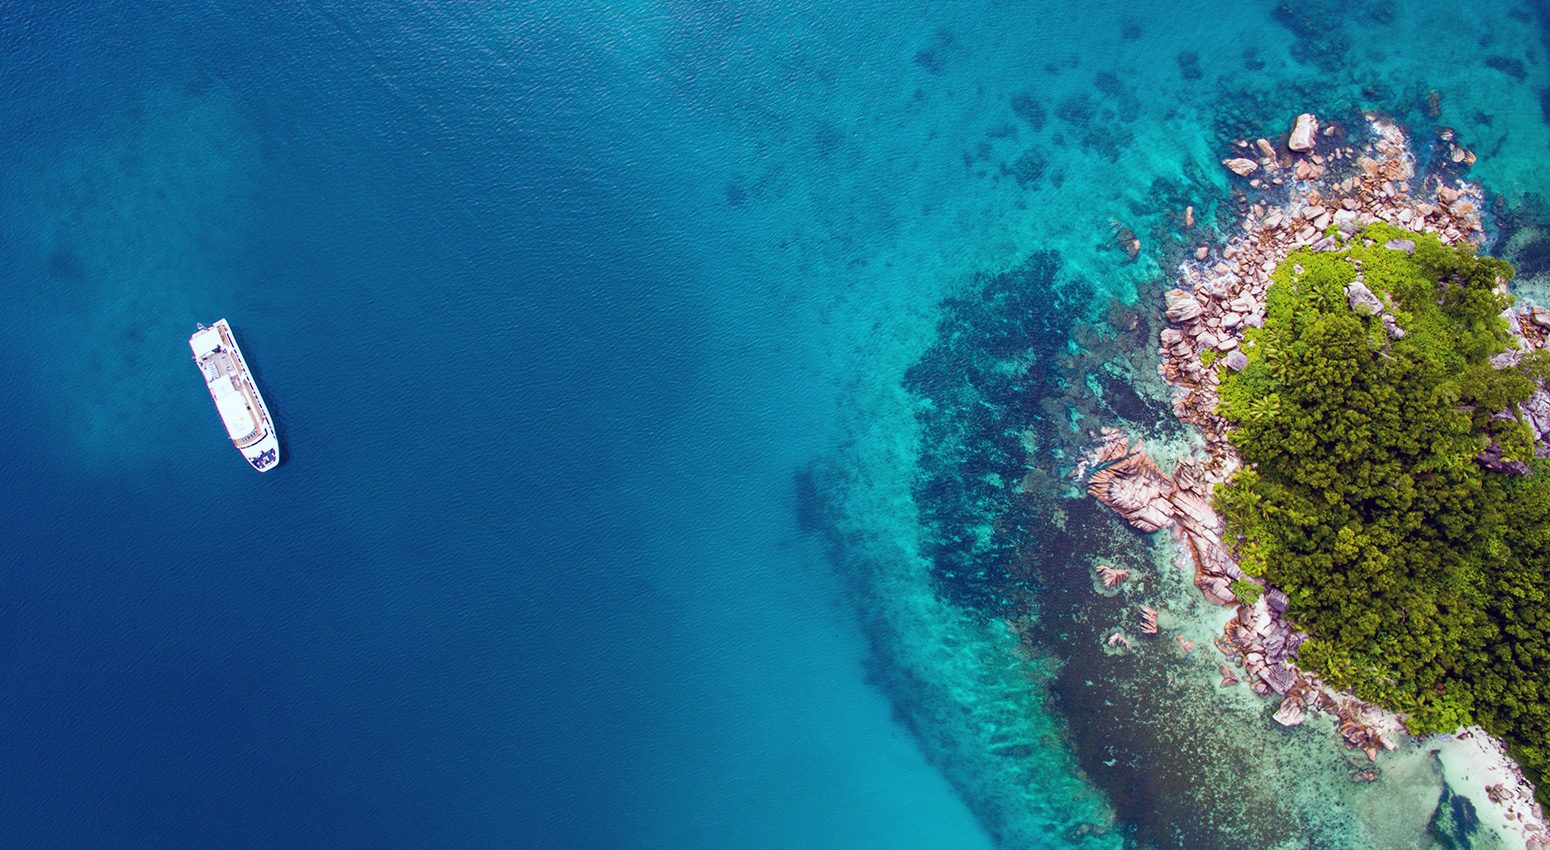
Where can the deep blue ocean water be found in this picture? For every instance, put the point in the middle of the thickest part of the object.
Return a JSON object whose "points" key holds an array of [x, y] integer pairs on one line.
{"points": [[531, 573], [600, 338]]}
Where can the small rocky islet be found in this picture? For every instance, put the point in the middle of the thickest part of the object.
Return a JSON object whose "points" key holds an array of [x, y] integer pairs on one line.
{"points": [[1319, 189]]}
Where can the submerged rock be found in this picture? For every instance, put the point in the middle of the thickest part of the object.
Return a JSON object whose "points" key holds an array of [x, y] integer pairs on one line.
{"points": [[1126, 239], [1111, 576], [1229, 676]]}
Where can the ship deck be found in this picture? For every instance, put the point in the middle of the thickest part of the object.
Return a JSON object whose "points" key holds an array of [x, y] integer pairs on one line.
{"points": [[221, 362]]}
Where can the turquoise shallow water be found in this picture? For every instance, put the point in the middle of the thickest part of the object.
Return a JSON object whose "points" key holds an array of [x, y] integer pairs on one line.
{"points": [[675, 397]]}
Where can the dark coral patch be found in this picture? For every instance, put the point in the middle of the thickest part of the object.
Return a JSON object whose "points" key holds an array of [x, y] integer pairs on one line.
{"points": [[1321, 41], [1108, 83], [1002, 131], [1189, 65], [1513, 68], [1028, 169], [981, 385], [1030, 109], [1077, 110]]}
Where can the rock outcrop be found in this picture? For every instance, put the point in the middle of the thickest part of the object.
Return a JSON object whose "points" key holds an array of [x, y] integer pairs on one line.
{"points": [[1131, 484]]}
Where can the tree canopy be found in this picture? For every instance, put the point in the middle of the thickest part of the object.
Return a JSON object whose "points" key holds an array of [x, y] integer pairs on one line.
{"points": [[1419, 574]]}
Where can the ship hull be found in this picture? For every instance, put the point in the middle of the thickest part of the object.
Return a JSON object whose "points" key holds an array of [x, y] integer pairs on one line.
{"points": [[237, 398]]}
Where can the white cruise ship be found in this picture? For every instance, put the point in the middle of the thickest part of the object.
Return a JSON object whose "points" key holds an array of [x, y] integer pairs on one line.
{"points": [[236, 395]]}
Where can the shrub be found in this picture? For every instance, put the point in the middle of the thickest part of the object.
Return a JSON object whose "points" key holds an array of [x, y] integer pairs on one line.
{"points": [[1247, 591], [1419, 574]]}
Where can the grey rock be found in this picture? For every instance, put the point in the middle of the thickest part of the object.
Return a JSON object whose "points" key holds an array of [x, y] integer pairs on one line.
{"points": [[1406, 245], [1275, 646], [1276, 601], [1290, 713], [1507, 359], [1537, 411], [1279, 677], [1236, 360], [1492, 459], [1362, 299]]}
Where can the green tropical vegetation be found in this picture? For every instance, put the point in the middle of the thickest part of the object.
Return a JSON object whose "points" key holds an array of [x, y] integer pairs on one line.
{"points": [[1247, 591], [1419, 574]]}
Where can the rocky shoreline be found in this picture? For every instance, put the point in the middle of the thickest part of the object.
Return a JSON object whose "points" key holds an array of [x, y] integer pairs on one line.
{"points": [[1316, 189]]}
